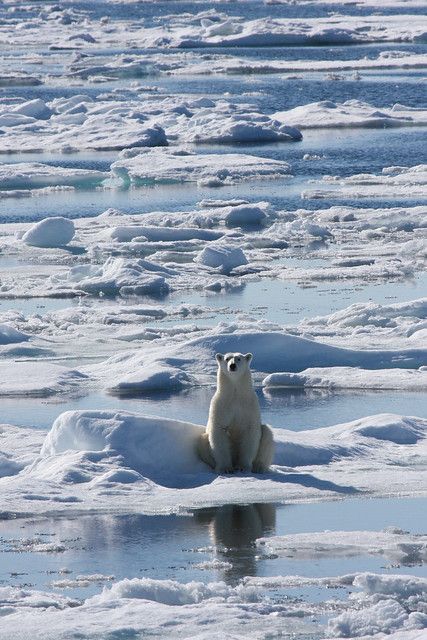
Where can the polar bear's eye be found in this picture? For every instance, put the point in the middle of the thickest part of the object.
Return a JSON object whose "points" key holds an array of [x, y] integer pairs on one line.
{"points": [[237, 359], [227, 358]]}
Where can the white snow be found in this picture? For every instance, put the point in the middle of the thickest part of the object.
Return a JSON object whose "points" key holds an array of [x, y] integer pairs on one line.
{"points": [[118, 104], [273, 351], [50, 232]]}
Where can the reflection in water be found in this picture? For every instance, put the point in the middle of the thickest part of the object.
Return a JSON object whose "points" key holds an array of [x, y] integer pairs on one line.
{"points": [[233, 530]]}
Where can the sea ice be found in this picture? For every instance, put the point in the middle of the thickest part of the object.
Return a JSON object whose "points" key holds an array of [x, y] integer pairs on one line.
{"points": [[221, 257], [352, 113], [350, 378], [154, 166], [31, 175], [10, 335], [396, 546], [393, 182], [117, 276], [104, 460], [37, 378], [50, 232]]}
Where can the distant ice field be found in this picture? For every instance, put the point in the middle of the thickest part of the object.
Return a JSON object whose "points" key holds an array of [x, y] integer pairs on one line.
{"points": [[340, 152]]}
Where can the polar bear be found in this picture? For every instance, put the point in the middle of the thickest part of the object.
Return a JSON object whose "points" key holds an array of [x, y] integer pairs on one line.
{"points": [[235, 439]]}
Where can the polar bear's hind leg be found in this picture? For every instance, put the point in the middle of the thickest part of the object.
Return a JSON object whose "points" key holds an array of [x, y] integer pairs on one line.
{"points": [[264, 457], [204, 450]]}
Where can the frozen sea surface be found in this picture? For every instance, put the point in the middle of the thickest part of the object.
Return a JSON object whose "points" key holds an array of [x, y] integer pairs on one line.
{"points": [[319, 270]]}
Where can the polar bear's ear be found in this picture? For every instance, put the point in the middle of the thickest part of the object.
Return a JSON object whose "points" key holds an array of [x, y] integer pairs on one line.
{"points": [[248, 357], [219, 357]]}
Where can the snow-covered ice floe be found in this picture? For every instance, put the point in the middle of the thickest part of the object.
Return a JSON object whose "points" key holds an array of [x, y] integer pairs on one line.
{"points": [[352, 113], [118, 461], [395, 545], [37, 378], [393, 182], [350, 378], [157, 166], [386, 60], [33, 175], [334, 30], [196, 357]]}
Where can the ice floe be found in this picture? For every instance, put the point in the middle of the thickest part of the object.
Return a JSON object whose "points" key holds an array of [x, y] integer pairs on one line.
{"points": [[37, 378], [274, 351], [352, 113], [396, 546], [387, 604], [393, 182], [335, 30], [183, 166], [103, 461], [33, 175], [386, 60], [350, 378]]}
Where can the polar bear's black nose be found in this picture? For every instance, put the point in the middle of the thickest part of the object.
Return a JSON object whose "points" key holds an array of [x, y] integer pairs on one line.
{"points": [[233, 366]]}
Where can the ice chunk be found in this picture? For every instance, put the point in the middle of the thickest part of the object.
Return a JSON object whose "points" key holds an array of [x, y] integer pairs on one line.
{"points": [[50, 232], [157, 448], [222, 257], [239, 128], [10, 335], [160, 234], [36, 109], [245, 215], [156, 378], [118, 276]]}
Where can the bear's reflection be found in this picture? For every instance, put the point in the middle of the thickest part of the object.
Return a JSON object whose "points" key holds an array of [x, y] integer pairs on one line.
{"points": [[233, 530]]}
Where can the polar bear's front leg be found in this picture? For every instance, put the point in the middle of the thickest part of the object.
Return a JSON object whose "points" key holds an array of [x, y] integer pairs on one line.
{"points": [[247, 449], [219, 440]]}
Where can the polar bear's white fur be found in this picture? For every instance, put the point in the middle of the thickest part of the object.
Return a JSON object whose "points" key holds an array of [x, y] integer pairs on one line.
{"points": [[235, 439]]}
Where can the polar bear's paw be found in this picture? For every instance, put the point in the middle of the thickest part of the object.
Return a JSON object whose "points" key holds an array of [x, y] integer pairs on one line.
{"points": [[221, 470], [257, 467]]}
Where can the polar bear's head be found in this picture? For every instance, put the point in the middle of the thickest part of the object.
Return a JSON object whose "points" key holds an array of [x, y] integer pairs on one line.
{"points": [[234, 364]]}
